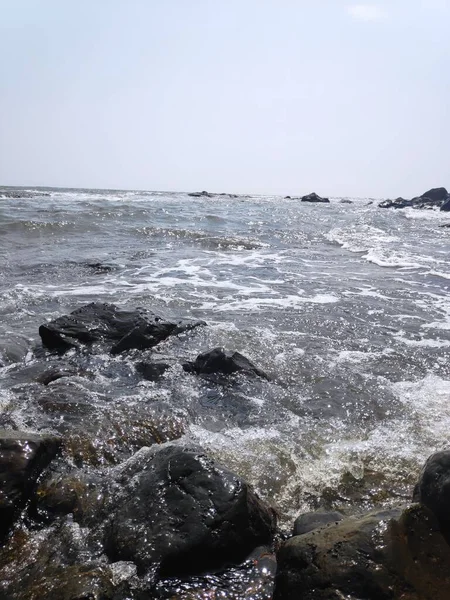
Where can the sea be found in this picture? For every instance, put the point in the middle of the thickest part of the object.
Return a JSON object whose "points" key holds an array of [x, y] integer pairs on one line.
{"points": [[344, 305]]}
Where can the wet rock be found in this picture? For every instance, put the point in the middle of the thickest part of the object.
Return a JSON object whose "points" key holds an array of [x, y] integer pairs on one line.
{"points": [[287, 198], [204, 194], [99, 268], [446, 206], [107, 323], [445, 225], [13, 350], [23, 457], [434, 197], [55, 373], [21, 194], [384, 555], [219, 360], [314, 198], [314, 520], [180, 509], [345, 201], [433, 488], [152, 371]]}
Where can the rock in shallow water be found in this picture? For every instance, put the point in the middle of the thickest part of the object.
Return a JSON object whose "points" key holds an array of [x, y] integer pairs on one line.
{"points": [[181, 510], [97, 322], [23, 457], [387, 555], [314, 520], [433, 488], [219, 360], [314, 198]]}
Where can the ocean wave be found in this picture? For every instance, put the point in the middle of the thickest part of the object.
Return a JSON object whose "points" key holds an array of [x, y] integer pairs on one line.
{"points": [[206, 240]]}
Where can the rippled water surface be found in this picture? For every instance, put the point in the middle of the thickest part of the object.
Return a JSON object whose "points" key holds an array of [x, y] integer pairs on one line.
{"points": [[345, 306]]}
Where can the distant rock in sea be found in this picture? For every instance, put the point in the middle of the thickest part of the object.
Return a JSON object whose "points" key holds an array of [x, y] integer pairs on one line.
{"points": [[438, 197], [206, 194], [314, 198]]}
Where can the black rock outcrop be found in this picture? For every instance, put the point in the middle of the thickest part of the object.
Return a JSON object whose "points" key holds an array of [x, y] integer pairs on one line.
{"points": [[437, 197], [121, 329], [314, 198], [181, 510]]}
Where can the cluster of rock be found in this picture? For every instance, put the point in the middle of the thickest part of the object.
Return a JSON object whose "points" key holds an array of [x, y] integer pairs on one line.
{"points": [[169, 510], [19, 194], [436, 197]]}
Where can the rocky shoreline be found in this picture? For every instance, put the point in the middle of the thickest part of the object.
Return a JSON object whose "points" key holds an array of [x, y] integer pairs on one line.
{"points": [[77, 524]]}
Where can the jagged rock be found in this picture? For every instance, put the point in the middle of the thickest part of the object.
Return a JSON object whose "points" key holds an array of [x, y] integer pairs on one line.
{"points": [[96, 322], [397, 203], [434, 197], [181, 510], [219, 360], [314, 198], [385, 555], [314, 520], [23, 457]]}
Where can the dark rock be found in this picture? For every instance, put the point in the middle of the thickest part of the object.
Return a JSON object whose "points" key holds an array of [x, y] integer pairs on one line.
{"points": [[434, 197], [99, 267], [181, 510], [446, 206], [445, 225], [313, 520], [152, 371], [98, 322], [23, 457], [219, 360], [287, 198], [397, 203], [21, 194], [345, 201], [201, 194], [433, 488], [13, 350], [436, 194], [385, 555], [55, 373], [314, 198]]}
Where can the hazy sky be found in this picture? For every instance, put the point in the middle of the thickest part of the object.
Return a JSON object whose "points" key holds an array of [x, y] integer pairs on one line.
{"points": [[262, 96]]}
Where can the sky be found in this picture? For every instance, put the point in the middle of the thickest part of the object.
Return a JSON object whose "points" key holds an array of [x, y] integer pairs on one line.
{"points": [[243, 96]]}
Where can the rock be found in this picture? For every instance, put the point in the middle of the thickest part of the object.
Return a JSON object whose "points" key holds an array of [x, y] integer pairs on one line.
{"points": [[287, 198], [314, 520], [96, 322], [397, 203], [201, 194], [314, 198], [181, 510], [55, 373], [23, 457], [435, 194], [13, 350], [434, 197], [384, 555], [21, 194], [152, 371], [446, 206], [433, 488], [345, 201], [99, 268], [445, 225], [219, 360]]}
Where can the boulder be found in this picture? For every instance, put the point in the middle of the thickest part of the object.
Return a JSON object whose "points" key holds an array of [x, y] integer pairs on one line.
{"points": [[435, 194], [23, 457], [13, 349], [97, 322], [397, 203], [433, 488], [180, 510], [314, 520], [219, 360], [314, 198], [385, 555]]}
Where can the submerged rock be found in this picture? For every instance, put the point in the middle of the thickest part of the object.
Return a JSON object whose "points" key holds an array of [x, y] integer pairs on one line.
{"points": [[204, 193], [23, 457], [181, 510], [219, 360], [314, 198], [97, 322], [384, 555], [152, 371], [314, 520], [446, 206]]}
